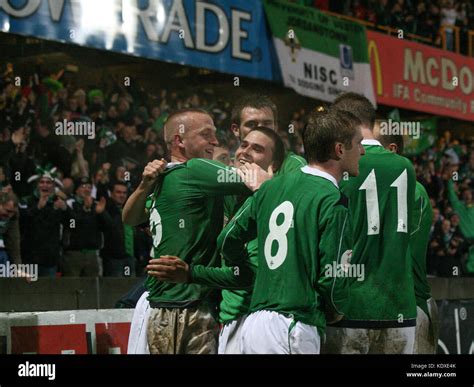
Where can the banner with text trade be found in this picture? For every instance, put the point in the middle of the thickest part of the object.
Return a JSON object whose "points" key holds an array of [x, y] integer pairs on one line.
{"points": [[419, 77], [227, 36], [320, 55]]}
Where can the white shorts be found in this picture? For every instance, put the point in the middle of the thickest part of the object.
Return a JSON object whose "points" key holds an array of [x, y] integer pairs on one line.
{"points": [[369, 341], [426, 333], [267, 332], [230, 337], [137, 340]]}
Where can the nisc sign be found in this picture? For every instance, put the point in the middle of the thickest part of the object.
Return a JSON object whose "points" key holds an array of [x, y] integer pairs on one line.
{"points": [[418, 77]]}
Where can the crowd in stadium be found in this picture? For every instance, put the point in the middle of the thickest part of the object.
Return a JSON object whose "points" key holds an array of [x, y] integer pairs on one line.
{"points": [[70, 189], [420, 17]]}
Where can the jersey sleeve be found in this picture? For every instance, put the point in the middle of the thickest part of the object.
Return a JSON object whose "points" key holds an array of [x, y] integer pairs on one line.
{"points": [[335, 249], [237, 271], [216, 179], [453, 198]]}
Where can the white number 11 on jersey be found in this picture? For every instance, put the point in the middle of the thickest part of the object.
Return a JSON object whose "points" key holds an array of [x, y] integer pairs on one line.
{"points": [[372, 202]]}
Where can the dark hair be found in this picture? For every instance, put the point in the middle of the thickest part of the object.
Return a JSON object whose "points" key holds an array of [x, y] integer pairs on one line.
{"points": [[117, 182], [278, 146], [387, 139], [358, 105], [256, 101], [324, 129]]}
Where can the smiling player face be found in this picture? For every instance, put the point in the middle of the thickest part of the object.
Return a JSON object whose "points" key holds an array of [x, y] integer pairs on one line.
{"points": [[256, 148], [199, 138]]}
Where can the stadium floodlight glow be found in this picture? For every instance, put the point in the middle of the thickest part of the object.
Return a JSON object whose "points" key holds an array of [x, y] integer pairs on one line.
{"points": [[160, 14], [99, 16]]}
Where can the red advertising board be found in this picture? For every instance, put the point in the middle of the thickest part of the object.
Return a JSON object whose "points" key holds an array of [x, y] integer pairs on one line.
{"points": [[112, 338], [419, 77], [50, 339]]}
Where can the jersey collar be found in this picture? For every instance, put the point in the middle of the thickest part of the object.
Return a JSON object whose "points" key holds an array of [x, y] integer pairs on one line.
{"points": [[371, 142], [317, 172], [172, 164]]}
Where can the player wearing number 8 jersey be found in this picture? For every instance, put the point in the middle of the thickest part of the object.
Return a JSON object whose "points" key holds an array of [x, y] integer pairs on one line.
{"points": [[302, 228], [381, 312]]}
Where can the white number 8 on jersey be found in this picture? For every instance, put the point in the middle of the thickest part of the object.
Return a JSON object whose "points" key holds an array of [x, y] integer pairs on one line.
{"points": [[278, 233]]}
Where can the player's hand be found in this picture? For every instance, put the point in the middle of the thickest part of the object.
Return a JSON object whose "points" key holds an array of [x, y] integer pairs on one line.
{"points": [[332, 316], [152, 170], [254, 176], [169, 268]]}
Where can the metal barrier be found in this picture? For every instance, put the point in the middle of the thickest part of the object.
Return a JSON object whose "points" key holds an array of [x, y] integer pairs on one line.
{"points": [[444, 30]]}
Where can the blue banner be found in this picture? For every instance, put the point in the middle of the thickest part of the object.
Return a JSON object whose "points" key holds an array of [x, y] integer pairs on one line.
{"points": [[227, 36]]}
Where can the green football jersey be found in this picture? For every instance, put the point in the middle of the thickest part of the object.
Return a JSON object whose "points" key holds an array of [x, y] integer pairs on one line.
{"points": [[381, 202], [236, 302], [236, 281], [291, 162], [186, 215], [303, 231], [419, 238]]}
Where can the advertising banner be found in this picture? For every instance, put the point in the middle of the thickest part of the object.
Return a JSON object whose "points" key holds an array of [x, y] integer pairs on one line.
{"points": [[227, 36], [418, 77], [320, 56]]}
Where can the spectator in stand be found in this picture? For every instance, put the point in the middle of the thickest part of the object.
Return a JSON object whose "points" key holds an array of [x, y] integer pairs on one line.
{"points": [[9, 228], [358, 10], [448, 248], [82, 237], [449, 17], [422, 27], [42, 215], [465, 209], [126, 146], [118, 253], [382, 13], [402, 17]]}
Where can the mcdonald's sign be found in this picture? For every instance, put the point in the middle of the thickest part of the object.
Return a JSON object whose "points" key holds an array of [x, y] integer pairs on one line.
{"points": [[418, 77]]}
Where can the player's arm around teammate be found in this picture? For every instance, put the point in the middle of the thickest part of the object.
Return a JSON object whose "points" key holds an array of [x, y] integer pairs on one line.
{"points": [[134, 210]]}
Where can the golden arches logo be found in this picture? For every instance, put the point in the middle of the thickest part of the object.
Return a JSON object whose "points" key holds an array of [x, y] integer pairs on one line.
{"points": [[374, 53]]}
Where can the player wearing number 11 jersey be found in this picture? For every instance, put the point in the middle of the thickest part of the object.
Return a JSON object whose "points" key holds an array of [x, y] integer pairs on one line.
{"points": [[381, 313], [302, 228]]}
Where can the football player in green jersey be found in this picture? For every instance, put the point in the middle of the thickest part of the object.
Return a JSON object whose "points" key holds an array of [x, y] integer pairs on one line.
{"points": [[186, 212], [254, 110], [265, 148], [426, 331], [302, 231], [381, 313]]}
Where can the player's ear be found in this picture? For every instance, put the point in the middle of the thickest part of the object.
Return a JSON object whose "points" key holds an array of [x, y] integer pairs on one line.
{"points": [[339, 150], [178, 140], [236, 130], [393, 148]]}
